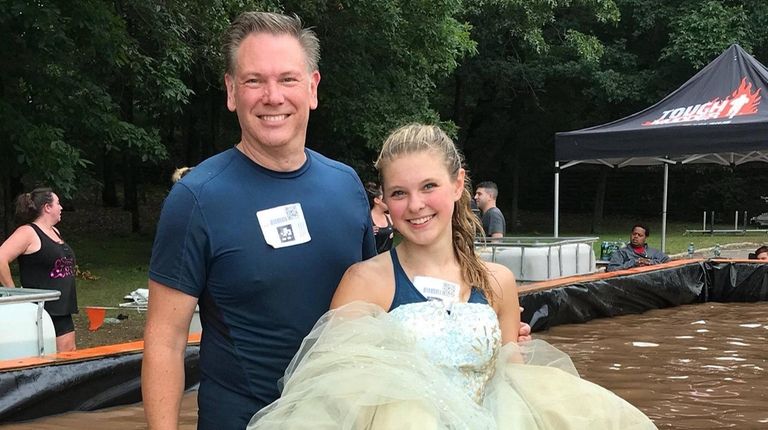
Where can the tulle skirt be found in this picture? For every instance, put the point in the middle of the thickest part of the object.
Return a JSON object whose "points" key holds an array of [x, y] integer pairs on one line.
{"points": [[358, 369]]}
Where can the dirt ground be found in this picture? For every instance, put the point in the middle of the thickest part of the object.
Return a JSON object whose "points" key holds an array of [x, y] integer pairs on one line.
{"points": [[126, 330]]}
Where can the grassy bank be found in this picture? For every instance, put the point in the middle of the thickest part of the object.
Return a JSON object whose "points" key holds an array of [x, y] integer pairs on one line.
{"points": [[110, 268]]}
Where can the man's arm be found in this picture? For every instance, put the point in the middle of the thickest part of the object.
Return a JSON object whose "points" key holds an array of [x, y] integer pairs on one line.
{"points": [[620, 261], [165, 341], [496, 224], [659, 257]]}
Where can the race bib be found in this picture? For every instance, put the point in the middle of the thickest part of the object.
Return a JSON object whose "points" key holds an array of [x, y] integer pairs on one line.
{"points": [[437, 289], [284, 226]]}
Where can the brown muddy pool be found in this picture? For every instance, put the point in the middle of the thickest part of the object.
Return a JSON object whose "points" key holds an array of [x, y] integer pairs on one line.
{"points": [[701, 366]]}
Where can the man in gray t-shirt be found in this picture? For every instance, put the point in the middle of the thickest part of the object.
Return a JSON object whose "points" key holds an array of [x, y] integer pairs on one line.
{"points": [[494, 224]]}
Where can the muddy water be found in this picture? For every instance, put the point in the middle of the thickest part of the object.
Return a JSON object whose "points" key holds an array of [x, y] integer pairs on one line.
{"points": [[701, 366], [691, 367]]}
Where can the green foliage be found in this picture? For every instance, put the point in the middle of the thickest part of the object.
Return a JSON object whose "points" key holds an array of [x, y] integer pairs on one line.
{"points": [[62, 84], [700, 31], [381, 61], [87, 85]]}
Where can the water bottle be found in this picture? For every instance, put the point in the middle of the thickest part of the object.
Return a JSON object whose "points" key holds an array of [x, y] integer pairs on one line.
{"points": [[690, 250], [716, 251]]}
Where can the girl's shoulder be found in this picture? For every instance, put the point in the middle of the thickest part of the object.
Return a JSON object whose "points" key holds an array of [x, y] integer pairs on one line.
{"points": [[371, 280], [499, 273], [501, 278], [373, 268]]}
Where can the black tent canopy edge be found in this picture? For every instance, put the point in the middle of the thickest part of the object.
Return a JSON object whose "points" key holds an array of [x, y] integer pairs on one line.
{"points": [[628, 138]]}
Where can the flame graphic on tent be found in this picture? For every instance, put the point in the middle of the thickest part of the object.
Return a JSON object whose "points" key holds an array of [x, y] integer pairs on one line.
{"points": [[750, 99], [743, 101]]}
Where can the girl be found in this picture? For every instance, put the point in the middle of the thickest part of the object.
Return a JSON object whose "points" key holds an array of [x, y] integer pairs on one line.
{"points": [[415, 340]]}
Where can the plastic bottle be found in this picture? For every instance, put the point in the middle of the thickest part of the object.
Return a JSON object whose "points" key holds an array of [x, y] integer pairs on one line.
{"points": [[716, 251], [690, 250]]}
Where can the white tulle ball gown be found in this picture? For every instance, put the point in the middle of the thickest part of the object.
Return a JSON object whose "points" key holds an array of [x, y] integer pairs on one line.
{"points": [[422, 367]]}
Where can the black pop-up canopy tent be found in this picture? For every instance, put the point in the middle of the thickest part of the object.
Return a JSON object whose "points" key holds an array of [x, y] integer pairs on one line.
{"points": [[715, 117]]}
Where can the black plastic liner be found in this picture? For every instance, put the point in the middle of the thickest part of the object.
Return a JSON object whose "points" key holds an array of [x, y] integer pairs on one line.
{"points": [[116, 380], [698, 282], [88, 385]]}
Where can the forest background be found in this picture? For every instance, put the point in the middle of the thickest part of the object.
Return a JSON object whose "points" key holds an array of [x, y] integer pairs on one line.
{"points": [[103, 99]]}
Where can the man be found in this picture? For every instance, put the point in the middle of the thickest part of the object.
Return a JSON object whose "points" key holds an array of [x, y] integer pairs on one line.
{"points": [[637, 253], [493, 220], [247, 236], [760, 253]]}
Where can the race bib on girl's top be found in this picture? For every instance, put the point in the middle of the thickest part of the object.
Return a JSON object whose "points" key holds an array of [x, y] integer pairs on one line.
{"points": [[437, 289], [284, 226]]}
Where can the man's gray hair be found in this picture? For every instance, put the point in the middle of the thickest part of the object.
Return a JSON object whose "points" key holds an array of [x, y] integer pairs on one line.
{"points": [[272, 23]]}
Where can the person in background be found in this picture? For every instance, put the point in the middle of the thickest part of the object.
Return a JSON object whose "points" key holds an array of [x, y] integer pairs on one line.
{"points": [[45, 260], [637, 253], [475, 209], [761, 253], [180, 173], [382, 224], [494, 224]]}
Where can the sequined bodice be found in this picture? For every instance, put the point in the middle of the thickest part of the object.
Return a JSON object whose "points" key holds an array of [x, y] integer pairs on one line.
{"points": [[463, 343]]}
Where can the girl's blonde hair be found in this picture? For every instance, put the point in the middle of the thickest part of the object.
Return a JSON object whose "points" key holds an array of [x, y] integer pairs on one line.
{"points": [[414, 138]]}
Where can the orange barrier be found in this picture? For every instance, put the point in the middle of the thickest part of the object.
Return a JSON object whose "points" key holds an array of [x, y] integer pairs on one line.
{"points": [[552, 283], [81, 354]]}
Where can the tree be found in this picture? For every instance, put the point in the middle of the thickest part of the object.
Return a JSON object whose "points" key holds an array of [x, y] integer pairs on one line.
{"points": [[498, 98], [380, 64]]}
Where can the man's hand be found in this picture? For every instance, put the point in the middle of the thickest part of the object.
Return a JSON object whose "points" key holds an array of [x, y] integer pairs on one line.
{"points": [[643, 262], [524, 335]]}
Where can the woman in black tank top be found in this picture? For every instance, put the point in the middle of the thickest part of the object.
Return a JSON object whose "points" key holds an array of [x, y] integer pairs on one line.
{"points": [[383, 230], [45, 260]]}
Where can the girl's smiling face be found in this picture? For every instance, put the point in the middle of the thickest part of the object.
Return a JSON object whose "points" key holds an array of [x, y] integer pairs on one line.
{"points": [[420, 194]]}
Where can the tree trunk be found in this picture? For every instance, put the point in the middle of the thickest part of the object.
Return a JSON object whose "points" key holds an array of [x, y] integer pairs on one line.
{"points": [[208, 145], [190, 139], [109, 192], [514, 222], [12, 187], [130, 178], [130, 191], [597, 217]]}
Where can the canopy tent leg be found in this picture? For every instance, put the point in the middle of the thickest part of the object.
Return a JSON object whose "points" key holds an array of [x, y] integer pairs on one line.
{"points": [[664, 210], [557, 199]]}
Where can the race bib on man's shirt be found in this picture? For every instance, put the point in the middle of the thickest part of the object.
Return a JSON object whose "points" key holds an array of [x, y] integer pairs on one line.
{"points": [[284, 225]]}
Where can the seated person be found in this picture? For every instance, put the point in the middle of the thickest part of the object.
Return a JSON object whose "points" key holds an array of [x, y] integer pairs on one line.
{"points": [[637, 253], [760, 254]]}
